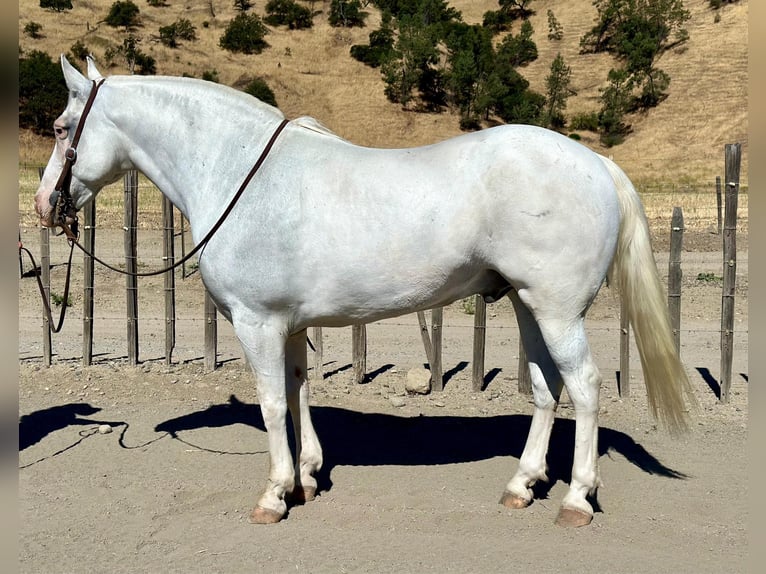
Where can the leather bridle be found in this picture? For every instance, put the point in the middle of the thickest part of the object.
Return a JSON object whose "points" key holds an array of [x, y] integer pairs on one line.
{"points": [[61, 202], [61, 198]]}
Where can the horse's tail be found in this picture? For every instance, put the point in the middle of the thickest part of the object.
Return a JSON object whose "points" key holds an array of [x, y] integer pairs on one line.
{"points": [[634, 273]]}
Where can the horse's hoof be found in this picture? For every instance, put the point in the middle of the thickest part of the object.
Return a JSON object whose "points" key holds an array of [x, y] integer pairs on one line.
{"points": [[261, 515], [303, 494], [573, 518], [510, 500]]}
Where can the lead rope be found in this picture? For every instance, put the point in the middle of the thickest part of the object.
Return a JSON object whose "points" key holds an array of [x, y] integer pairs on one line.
{"points": [[46, 302]]}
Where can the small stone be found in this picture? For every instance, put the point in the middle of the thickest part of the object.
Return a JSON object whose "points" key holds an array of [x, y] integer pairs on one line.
{"points": [[397, 401], [104, 429]]}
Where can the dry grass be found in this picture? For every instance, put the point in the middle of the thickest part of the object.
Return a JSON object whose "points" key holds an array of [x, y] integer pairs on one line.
{"points": [[676, 150]]}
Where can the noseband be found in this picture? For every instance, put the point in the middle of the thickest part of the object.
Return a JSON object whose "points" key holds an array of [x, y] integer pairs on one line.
{"points": [[61, 198]]}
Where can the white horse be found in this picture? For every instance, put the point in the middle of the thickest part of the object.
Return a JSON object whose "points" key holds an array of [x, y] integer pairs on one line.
{"points": [[331, 233]]}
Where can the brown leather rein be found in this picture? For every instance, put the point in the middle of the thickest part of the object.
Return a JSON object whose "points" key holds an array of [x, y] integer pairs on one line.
{"points": [[62, 203]]}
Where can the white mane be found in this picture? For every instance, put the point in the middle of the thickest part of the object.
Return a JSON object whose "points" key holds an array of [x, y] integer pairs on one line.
{"points": [[315, 125]]}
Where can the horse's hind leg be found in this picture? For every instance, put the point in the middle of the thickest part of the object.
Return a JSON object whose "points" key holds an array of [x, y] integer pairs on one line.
{"points": [[546, 388], [568, 359], [569, 348], [308, 452]]}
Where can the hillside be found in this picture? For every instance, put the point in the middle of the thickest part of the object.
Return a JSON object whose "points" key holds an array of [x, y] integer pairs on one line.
{"points": [[679, 143]]}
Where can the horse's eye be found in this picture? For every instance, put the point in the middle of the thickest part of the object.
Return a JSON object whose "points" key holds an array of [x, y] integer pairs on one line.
{"points": [[60, 132]]}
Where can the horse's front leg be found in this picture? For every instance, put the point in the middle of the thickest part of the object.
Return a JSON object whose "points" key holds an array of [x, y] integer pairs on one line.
{"points": [[308, 452], [264, 347]]}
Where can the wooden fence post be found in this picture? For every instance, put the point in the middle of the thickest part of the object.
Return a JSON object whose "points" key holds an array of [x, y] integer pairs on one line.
{"points": [[437, 374], [479, 342], [318, 355], [426, 337], [168, 258], [130, 186], [45, 278], [675, 274], [432, 344], [718, 201], [89, 242], [211, 333], [359, 351], [624, 387], [733, 157]]}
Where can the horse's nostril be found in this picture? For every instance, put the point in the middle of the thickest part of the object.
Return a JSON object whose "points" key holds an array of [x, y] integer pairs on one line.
{"points": [[53, 199]]}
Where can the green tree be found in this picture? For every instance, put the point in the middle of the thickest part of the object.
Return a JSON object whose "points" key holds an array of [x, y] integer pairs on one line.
{"points": [[245, 34], [638, 32], [56, 5], [42, 92], [557, 84], [123, 13], [521, 49], [555, 29], [381, 44], [288, 13], [519, 8], [415, 51], [615, 100], [242, 5], [136, 61], [471, 70], [346, 13], [513, 100]]}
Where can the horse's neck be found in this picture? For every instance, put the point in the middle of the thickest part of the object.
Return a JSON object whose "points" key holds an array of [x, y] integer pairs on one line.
{"points": [[198, 145]]}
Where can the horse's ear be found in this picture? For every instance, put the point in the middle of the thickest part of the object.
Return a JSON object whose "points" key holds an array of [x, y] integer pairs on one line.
{"points": [[79, 86], [93, 73]]}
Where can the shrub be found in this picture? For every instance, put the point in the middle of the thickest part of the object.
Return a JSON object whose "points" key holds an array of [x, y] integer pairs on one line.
{"points": [[244, 34], [123, 13], [56, 5], [587, 121], [211, 76], [258, 88], [33, 29], [181, 29], [79, 50]]}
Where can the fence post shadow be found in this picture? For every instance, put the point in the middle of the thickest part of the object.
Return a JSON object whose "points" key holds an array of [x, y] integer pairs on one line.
{"points": [[711, 381]]}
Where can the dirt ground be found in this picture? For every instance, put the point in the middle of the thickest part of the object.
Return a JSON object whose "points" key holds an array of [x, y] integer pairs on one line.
{"points": [[410, 483]]}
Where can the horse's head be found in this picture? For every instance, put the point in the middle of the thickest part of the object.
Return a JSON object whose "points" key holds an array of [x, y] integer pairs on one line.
{"points": [[80, 165]]}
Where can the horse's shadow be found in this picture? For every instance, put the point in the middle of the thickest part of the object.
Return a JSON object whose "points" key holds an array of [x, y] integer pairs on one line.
{"points": [[35, 426], [372, 439]]}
